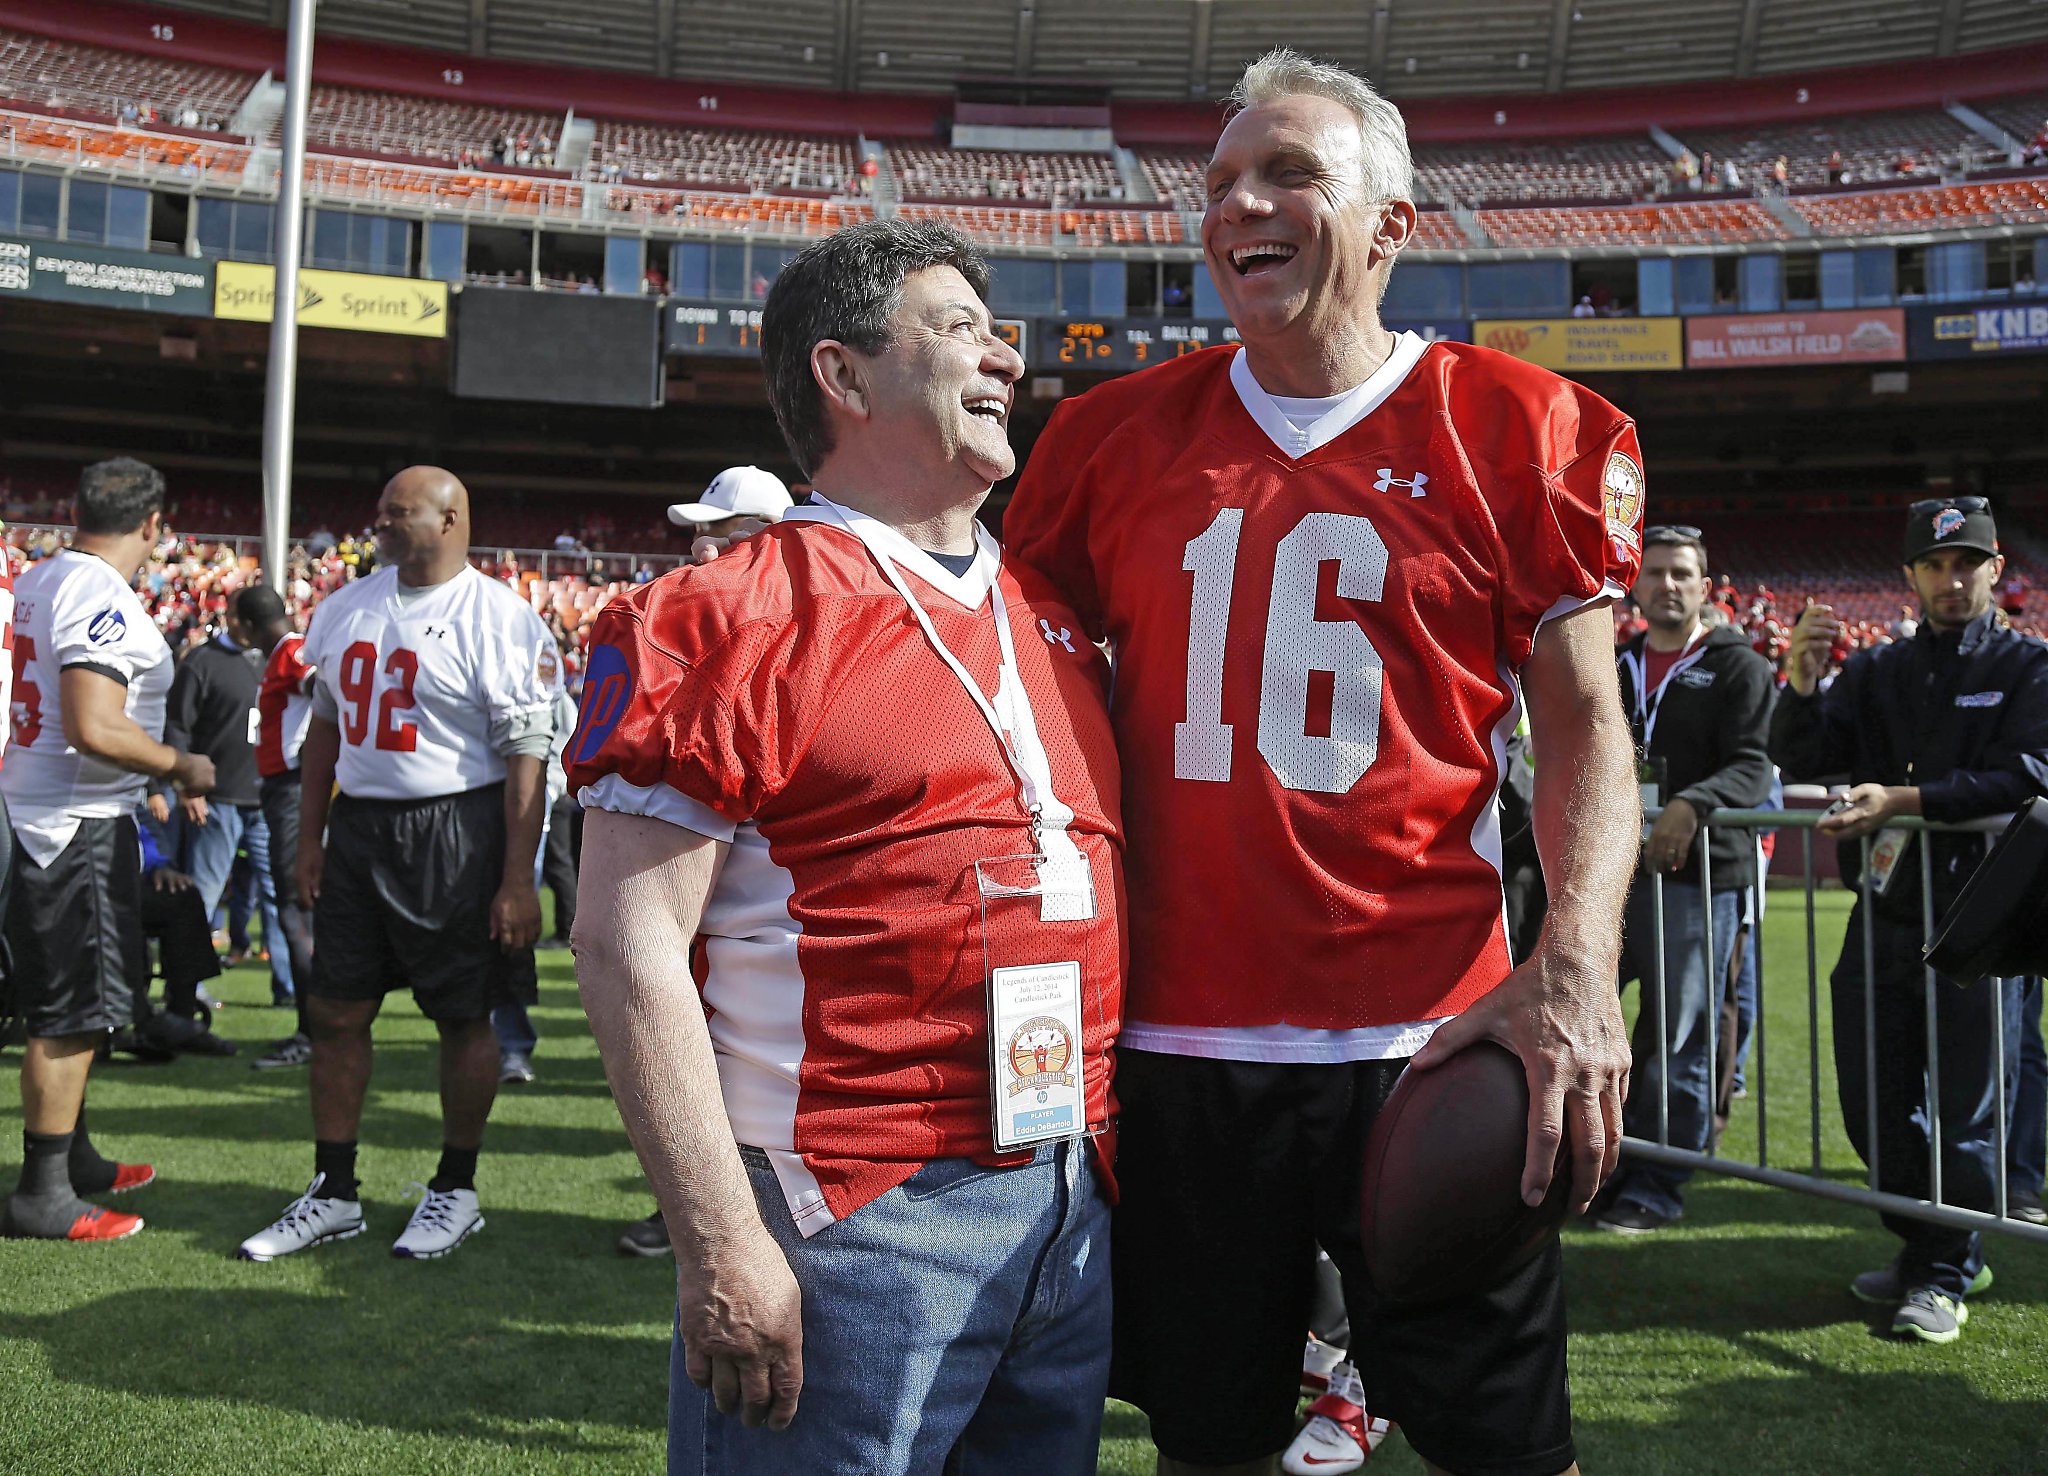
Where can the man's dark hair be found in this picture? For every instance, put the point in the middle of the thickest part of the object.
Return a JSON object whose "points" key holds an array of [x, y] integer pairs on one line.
{"points": [[118, 496], [259, 607], [1677, 538], [846, 288]]}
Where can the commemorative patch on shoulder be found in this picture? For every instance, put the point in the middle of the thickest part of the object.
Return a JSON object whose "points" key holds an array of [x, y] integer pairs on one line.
{"points": [[1622, 483], [549, 667]]}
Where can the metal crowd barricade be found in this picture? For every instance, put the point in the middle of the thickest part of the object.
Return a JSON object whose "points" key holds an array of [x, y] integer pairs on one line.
{"points": [[1811, 1179]]}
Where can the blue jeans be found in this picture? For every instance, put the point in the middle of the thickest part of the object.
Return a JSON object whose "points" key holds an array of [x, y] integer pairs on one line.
{"points": [[210, 858], [958, 1323], [2026, 1088], [1691, 1015]]}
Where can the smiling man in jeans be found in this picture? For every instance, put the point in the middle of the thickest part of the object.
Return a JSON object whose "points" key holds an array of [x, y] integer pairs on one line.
{"points": [[851, 937], [1700, 704]]}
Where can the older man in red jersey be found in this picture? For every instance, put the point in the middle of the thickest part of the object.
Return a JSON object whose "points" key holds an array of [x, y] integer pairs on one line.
{"points": [[1331, 566]]}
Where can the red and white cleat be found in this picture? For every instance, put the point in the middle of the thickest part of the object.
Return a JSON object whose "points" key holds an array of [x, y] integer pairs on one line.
{"points": [[132, 1176], [103, 1224], [1339, 1436], [1316, 1362]]}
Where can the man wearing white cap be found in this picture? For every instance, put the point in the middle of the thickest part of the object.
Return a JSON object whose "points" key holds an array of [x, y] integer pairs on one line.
{"points": [[736, 492]]}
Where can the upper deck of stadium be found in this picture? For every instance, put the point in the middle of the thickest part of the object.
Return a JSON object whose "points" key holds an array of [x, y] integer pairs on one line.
{"points": [[1544, 127]]}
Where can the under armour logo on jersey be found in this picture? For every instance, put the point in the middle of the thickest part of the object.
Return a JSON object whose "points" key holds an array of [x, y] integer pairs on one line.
{"points": [[1061, 637], [1417, 485]]}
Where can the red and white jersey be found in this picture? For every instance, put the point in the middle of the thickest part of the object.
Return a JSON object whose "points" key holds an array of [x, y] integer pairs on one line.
{"points": [[284, 705], [783, 699], [421, 680], [75, 610], [1316, 633]]}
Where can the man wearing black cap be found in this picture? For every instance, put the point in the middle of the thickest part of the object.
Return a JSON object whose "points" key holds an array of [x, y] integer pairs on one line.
{"points": [[1949, 725]]}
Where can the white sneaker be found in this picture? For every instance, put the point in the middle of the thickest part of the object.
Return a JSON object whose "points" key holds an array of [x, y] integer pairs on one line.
{"points": [[1317, 1359], [1340, 1436], [306, 1222], [441, 1221]]}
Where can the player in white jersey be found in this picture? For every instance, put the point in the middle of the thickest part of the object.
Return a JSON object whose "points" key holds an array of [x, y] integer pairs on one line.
{"points": [[432, 710], [91, 672]]}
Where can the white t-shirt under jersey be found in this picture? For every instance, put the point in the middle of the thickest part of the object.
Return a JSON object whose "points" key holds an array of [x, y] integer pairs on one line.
{"points": [[422, 682], [75, 610]]}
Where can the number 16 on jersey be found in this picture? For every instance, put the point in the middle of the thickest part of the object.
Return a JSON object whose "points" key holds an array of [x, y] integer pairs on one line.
{"points": [[1297, 645]]}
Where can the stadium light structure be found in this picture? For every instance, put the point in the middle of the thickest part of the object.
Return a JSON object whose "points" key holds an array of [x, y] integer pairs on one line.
{"points": [[280, 390]]}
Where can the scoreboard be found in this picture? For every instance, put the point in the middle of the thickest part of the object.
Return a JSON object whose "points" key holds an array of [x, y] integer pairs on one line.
{"points": [[723, 331], [1117, 345]]}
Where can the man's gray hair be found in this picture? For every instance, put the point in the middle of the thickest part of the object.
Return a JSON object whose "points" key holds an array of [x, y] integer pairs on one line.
{"points": [[1384, 160], [846, 287]]}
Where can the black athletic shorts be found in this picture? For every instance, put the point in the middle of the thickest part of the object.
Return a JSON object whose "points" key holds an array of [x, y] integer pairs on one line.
{"points": [[79, 959], [405, 902], [1230, 1174]]}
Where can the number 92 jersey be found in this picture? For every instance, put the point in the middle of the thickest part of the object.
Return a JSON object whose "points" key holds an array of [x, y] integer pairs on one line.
{"points": [[422, 681], [1316, 628]]}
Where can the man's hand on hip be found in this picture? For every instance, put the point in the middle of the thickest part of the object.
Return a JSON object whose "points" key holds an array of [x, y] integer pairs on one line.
{"points": [[741, 1315], [1565, 1023]]}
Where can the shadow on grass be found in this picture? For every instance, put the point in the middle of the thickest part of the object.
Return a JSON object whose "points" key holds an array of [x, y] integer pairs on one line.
{"points": [[1806, 1419], [535, 1320]]}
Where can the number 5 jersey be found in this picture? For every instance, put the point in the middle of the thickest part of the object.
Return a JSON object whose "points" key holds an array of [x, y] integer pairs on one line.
{"points": [[422, 682], [75, 610], [1317, 611]]}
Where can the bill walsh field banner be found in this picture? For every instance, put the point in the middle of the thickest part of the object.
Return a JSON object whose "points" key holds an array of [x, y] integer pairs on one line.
{"points": [[54, 271], [336, 300], [1978, 330], [1865, 337], [1587, 345]]}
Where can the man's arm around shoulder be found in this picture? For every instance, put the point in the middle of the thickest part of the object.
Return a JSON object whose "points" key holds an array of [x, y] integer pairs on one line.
{"points": [[645, 883]]}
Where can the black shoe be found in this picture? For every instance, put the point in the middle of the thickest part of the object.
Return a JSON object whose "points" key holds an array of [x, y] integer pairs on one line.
{"points": [[293, 1050], [132, 1043], [1626, 1217], [169, 1032], [648, 1237]]}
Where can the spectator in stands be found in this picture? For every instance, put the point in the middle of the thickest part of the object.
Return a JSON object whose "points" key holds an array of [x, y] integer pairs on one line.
{"points": [[1951, 725], [1781, 172], [1583, 308], [1701, 702], [1731, 176], [1837, 169], [2012, 596]]}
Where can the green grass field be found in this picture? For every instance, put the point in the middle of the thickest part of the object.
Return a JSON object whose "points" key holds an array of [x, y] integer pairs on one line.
{"points": [[1726, 1344]]}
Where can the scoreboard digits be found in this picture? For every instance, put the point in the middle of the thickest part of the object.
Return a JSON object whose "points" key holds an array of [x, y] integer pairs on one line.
{"points": [[1114, 345]]}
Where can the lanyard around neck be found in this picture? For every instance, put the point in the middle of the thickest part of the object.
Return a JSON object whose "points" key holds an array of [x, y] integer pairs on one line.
{"points": [[1018, 738], [1650, 704]]}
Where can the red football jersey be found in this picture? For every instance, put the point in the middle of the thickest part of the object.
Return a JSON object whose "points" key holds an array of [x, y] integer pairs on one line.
{"points": [[283, 708], [783, 698], [1316, 632]]}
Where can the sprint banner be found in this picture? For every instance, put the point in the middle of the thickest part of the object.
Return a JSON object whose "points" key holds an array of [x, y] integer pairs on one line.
{"points": [[354, 300]]}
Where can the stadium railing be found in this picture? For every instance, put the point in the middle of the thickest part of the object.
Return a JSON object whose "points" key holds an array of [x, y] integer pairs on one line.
{"points": [[1811, 1177]]}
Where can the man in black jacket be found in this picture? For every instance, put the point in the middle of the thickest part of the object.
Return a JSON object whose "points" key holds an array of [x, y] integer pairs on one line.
{"points": [[212, 710], [1700, 700], [1950, 725]]}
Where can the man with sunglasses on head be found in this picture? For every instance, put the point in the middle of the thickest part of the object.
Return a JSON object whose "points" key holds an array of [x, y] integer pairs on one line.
{"points": [[1699, 703], [1950, 725]]}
